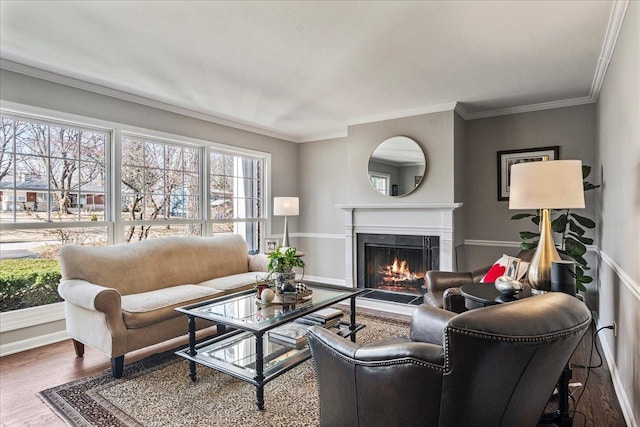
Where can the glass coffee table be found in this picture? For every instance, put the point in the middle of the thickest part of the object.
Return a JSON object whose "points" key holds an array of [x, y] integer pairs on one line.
{"points": [[241, 347]]}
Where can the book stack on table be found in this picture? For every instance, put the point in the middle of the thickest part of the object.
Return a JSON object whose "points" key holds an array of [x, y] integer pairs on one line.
{"points": [[290, 334], [327, 318], [294, 334]]}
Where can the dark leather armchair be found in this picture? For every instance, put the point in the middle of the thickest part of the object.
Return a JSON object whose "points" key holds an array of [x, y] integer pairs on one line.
{"points": [[494, 366], [443, 287]]}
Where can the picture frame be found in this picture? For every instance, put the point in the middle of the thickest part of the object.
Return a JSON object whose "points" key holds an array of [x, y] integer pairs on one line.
{"points": [[508, 158], [513, 265], [270, 245]]}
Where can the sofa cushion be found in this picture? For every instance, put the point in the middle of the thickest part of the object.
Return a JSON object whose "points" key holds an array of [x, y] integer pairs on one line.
{"points": [[147, 308], [234, 282]]}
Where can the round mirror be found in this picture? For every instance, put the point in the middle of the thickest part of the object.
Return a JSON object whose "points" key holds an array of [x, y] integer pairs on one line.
{"points": [[397, 166]]}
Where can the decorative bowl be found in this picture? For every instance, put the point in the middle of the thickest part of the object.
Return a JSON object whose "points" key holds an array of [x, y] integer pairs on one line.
{"points": [[507, 285]]}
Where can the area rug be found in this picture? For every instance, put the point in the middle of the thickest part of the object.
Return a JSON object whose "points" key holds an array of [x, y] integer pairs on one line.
{"points": [[157, 391]]}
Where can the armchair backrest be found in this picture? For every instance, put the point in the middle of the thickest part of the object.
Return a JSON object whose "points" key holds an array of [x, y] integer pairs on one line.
{"points": [[503, 361]]}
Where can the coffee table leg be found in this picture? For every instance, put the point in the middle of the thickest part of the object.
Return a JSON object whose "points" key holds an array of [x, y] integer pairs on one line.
{"points": [[192, 347], [259, 372]]}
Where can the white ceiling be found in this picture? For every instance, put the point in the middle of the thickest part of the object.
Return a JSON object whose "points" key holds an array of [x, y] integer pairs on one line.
{"points": [[307, 70]]}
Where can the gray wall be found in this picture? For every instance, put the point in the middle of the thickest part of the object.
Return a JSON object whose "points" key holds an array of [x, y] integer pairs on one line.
{"points": [[488, 220], [335, 172], [618, 149]]}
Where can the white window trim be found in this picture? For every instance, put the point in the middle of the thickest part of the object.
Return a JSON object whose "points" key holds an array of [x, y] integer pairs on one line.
{"points": [[116, 130]]}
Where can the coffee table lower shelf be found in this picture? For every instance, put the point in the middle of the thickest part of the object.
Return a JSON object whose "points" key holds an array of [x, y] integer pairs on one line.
{"points": [[237, 353]]}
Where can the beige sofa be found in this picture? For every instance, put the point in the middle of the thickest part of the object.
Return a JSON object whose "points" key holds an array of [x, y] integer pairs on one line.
{"points": [[121, 298]]}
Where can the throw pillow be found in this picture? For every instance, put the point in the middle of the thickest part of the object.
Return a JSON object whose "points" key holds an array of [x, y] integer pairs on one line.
{"points": [[506, 266]]}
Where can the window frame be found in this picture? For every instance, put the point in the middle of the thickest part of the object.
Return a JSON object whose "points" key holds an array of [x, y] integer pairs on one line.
{"points": [[112, 223]]}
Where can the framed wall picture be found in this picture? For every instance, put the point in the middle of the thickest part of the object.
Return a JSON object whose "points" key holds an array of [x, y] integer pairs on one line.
{"points": [[506, 159], [513, 266], [270, 245]]}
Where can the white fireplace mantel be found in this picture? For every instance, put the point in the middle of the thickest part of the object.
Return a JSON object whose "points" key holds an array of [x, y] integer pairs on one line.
{"points": [[403, 219]]}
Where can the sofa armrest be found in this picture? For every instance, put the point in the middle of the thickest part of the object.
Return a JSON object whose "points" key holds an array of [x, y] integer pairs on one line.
{"points": [[478, 274], [424, 352], [428, 323], [438, 281], [90, 296], [258, 262], [453, 300]]}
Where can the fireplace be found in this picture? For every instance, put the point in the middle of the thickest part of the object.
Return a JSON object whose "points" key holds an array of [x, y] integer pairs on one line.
{"points": [[395, 263]]}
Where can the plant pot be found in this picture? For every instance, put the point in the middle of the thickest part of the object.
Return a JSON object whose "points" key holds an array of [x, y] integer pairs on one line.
{"points": [[281, 279]]}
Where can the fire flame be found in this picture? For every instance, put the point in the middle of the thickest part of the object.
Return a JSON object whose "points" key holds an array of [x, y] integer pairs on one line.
{"points": [[398, 271]]}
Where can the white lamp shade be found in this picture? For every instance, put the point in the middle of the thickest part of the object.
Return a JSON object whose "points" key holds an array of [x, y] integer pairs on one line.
{"points": [[555, 184], [286, 206]]}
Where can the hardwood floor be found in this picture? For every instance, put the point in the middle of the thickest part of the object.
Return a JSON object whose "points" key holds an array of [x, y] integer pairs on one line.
{"points": [[24, 374]]}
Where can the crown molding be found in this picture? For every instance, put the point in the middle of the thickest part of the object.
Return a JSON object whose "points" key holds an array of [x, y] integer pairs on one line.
{"points": [[449, 106], [320, 137], [611, 37], [461, 111], [530, 108], [39, 73]]}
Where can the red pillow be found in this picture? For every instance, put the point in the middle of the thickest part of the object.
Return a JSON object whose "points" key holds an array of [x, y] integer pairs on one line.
{"points": [[501, 266], [494, 272]]}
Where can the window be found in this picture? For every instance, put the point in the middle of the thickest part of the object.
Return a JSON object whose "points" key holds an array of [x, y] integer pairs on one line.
{"points": [[51, 172], [160, 182], [63, 183], [52, 192], [235, 196]]}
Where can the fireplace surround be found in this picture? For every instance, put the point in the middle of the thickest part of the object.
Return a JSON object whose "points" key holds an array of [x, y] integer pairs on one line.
{"points": [[421, 219], [395, 263]]}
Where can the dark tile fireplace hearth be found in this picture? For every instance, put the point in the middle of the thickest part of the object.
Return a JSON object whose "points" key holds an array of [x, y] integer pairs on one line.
{"points": [[395, 263]]}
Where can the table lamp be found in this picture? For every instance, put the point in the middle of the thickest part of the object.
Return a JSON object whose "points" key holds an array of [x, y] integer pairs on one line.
{"points": [[545, 185], [286, 206]]}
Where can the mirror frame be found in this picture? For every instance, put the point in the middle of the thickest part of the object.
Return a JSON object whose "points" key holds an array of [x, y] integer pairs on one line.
{"points": [[404, 139]]}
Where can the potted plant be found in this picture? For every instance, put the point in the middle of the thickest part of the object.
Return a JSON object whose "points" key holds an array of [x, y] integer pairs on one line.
{"points": [[281, 264]]}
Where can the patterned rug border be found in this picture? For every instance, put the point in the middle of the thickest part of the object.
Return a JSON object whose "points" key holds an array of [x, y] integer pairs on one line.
{"points": [[91, 409]]}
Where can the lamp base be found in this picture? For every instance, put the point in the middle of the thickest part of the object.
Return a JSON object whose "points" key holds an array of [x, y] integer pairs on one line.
{"points": [[539, 274], [285, 237]]}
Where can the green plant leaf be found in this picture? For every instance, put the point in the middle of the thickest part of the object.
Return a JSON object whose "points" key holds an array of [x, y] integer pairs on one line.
{"points": [[584, 221], [559, 224], [522, 215], [586, 170], [536, 220], [585, 279], [574, 247], [574, 227], [585, 240], [589, 186], [527, 235], [528, 245]]}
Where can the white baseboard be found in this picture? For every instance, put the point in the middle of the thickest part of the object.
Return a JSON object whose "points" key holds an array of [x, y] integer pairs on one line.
{"points": [[327, 280], [31, 343], [623, 399]]}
